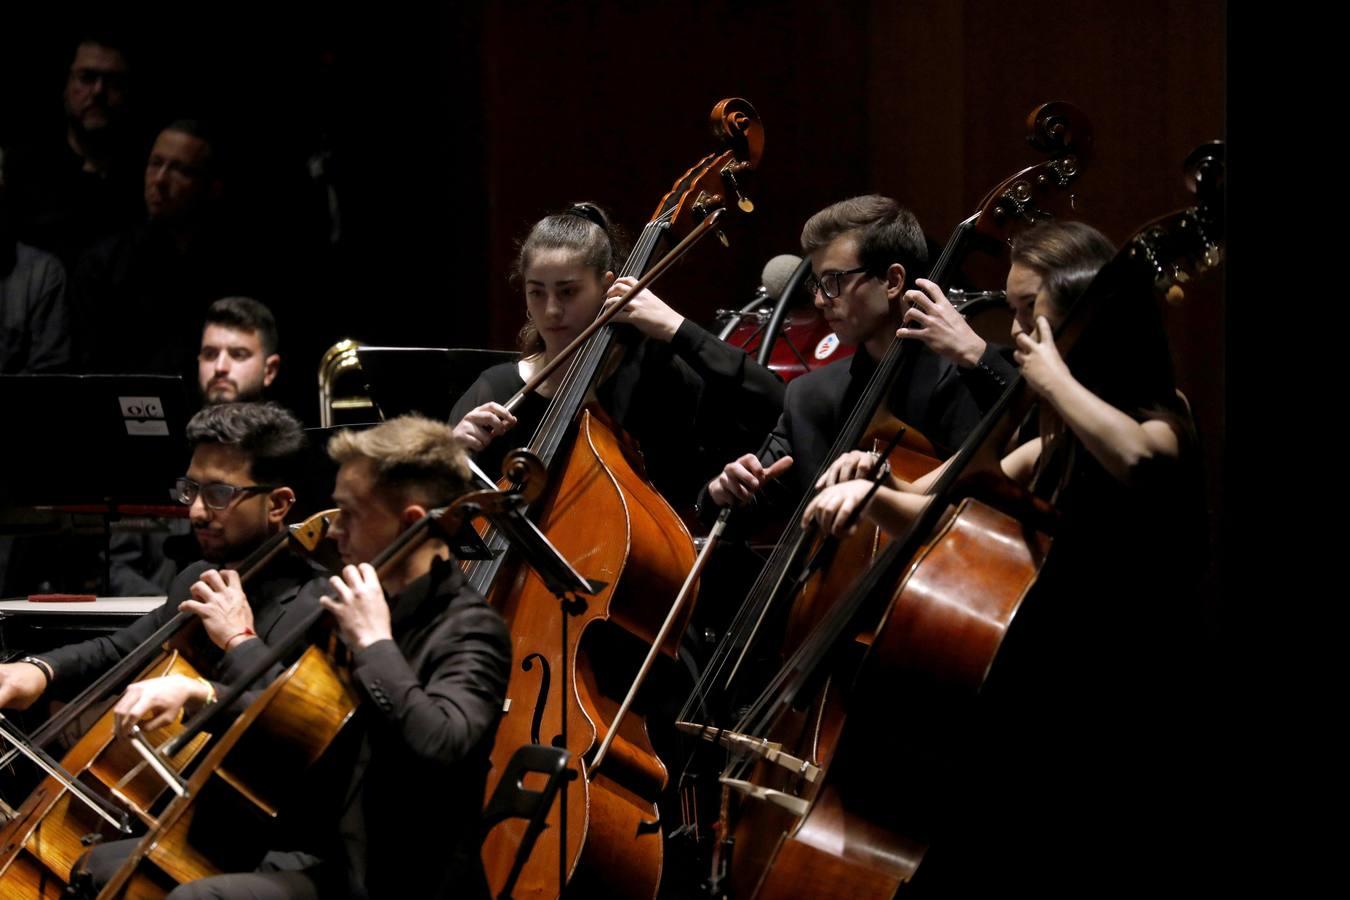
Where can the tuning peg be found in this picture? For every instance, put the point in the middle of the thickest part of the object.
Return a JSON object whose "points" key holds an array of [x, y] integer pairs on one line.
{"points": [[746, 205]]}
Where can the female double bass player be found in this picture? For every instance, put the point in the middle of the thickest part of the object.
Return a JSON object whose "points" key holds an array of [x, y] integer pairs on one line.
{"points": [[1085, 677], [575, 655], [686, 397], [1062, 775]]}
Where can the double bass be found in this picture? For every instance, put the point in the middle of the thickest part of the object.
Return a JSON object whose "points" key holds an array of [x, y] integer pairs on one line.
{"points": [[807, 572], [948, 591], [573, 654]]}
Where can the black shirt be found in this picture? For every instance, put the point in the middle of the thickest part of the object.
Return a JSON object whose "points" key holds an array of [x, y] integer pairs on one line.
{"points": [[932, 398], [691, 404]]}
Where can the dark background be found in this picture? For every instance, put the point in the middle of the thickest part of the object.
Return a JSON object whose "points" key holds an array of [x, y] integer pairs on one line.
{"points": [[454, 126]]}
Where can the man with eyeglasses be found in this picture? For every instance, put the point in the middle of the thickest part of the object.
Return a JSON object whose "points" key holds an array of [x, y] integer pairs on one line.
{"points": [[430, 660], [245, 456], [77, 186], [865, 252]]}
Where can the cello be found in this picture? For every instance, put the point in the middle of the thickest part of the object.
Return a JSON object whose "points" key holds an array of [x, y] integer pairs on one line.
{"points": [[39, 846], [949, 589], [220, 819], [573, 653]]}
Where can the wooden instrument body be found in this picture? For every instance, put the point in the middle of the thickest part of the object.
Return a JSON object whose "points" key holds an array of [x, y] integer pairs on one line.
{"points": [[810, 731], [235, 794], [1027, 197], [931, 654], [911, 458], [953, 608], [39, 847], [569, 670]]}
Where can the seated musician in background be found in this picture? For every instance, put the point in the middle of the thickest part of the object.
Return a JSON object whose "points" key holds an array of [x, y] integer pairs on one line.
{"points": [[430, 660], [689, 399], [238, 359], [1088, 701], [864, 252], [245, 456], [236, 363]]}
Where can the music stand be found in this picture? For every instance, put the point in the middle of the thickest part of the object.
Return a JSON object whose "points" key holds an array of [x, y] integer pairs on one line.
{"points": [[92, 440]]}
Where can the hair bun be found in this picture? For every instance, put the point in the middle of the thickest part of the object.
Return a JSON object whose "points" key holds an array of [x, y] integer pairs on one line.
{"points": [[591, 213]]}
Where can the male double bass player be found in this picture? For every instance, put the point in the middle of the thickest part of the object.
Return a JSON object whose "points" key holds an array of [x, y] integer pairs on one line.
{"points": [[1085, 704], [865, 252]]}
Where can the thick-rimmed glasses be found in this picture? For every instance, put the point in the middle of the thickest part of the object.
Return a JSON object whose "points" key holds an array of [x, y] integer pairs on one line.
{"points": [[828, 284], [215, 494]]}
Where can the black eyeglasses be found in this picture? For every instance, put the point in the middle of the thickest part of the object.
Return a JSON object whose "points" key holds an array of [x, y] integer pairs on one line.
{"points": [[215, 494], [828, 284]]}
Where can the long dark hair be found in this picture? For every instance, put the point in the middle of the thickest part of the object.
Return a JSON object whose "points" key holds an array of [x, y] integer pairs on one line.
{"points": [[583, 229], [1122, 355]]}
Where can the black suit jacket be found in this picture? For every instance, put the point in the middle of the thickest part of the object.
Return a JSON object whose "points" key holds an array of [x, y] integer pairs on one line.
{"points": [[409, 823], [274, 595], [932, 398]]}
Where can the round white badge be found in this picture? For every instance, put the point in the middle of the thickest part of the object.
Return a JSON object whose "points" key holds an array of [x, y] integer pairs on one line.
{"points": [[828, 344]]}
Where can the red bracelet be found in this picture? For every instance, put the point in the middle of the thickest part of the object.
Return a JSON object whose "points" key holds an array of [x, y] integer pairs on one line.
{"points": [[247, 632]]}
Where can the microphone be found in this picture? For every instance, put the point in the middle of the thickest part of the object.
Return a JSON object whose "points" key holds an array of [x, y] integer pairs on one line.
{"points": [[776, 273], [772, 280]]}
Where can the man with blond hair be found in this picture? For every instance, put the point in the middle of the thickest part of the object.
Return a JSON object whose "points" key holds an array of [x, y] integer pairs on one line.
{"points": [[430, 660]]}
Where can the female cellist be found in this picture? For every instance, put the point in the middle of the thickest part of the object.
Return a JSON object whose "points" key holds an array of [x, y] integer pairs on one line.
{"points": [[1082, 696], [686, 397]]}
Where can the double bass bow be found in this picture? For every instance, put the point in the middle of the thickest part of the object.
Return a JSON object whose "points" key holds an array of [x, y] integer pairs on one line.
{"points": [[574, 654], [948, 590]]}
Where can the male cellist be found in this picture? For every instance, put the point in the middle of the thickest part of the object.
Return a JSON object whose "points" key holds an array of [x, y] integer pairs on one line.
{"points": [[239, 489], [430, 660]]}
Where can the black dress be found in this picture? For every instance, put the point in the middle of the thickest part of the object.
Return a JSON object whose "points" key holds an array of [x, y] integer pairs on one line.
{"points": [[1086, 733]]}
